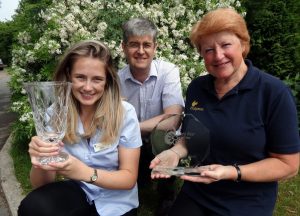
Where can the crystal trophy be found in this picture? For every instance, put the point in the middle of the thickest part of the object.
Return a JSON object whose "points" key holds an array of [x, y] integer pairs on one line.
{"points": [[49, 104], [196, 137]]}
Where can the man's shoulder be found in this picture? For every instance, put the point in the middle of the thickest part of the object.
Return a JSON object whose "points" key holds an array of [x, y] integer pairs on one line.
{"points": [[164, 67], [163, 63], [124, 73], [123, 70]]}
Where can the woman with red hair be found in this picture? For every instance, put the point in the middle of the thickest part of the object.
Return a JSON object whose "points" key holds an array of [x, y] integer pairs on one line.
{"points": [[252, 121]]}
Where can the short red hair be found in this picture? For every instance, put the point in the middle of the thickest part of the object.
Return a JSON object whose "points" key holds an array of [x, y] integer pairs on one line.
{"points": [[221, 19]]}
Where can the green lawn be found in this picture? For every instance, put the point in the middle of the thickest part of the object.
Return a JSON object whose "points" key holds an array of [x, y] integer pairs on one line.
{"points": [[288, 203]]}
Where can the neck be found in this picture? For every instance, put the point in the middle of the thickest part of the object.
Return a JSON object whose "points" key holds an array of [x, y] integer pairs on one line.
{"points": [[87, 115], [140, 75], [222, 86]]}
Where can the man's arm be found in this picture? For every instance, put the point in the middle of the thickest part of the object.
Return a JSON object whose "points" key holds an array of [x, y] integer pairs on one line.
{"points": [[148, 125]]}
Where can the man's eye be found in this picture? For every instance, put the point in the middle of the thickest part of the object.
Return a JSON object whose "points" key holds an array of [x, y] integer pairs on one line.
{"points": [[133, 45], [147, 45]]}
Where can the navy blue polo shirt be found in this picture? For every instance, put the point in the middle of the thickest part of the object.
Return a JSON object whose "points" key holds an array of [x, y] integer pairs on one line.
{"points": [[256, 117]]}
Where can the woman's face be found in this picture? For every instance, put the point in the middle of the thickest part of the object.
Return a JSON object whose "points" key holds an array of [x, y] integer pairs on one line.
{"points": [[222, 53], [88, 77]]}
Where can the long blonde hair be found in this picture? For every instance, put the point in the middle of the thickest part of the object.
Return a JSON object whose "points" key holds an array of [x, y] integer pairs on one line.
{"points": [[109, 113]]}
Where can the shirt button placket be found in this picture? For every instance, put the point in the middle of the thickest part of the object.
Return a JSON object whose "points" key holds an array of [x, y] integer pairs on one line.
{"points": [[143, 102]]}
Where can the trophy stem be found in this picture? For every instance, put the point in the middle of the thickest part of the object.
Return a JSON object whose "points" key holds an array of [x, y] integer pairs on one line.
{"points": [[54, 159]]}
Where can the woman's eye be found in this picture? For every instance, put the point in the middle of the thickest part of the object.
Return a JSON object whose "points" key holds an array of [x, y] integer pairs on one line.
{"points": [[99, 79], [208, 50], [226, 45]]}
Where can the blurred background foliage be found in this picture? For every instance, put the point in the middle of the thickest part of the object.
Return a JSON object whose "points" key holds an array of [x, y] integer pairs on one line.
{"points": [[274, 26]]}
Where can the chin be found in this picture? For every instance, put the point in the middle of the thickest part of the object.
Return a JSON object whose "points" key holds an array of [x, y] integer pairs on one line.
{"points": [[87, 102]]}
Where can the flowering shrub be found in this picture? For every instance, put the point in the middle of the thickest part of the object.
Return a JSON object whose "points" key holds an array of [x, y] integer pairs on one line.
{"points": [[66, 22]]}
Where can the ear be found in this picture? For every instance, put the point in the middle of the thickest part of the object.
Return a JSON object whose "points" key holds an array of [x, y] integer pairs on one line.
{"points": [[155, 46], [199, 52], [243, 47], [123, 46]]}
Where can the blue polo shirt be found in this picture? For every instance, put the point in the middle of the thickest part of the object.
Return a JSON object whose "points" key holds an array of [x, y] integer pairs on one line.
{"points": [[256, 117]]}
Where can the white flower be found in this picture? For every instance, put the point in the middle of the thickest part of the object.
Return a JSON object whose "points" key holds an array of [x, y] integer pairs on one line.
{"points": [[182, 57], [23, 91], [25, 117], [63, 25]]}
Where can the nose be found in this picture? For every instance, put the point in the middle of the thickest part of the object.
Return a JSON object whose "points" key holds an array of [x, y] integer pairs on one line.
{"points": [[87, 85], [219, 53], [141, 49]]}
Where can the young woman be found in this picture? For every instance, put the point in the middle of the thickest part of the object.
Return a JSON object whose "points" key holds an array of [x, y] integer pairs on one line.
{"points": [[103, 142]]}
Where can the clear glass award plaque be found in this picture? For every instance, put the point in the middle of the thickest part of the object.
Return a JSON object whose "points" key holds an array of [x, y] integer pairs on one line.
{"points": [[196, 136]]}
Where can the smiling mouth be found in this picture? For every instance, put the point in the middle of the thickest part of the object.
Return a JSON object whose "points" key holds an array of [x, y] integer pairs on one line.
{"points": [[86, 95], [220, 64], [141, 59]]}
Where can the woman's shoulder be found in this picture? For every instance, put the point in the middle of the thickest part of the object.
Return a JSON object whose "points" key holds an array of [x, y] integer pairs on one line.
{"points": [[270, 81], [127, 106], [200, 81], [271, 86]]}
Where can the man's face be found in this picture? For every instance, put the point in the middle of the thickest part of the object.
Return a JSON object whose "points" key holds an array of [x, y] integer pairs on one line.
{"points": [[139, 52]]}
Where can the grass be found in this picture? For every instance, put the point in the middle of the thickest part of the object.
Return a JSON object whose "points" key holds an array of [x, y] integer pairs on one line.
{"points": [[22, 165], [288, 202]]}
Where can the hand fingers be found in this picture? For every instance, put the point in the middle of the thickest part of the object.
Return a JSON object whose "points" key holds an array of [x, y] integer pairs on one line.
{"points": [[199, 179], [35, 153], [154, 162], [60, 165], [39, 148], [159, 176], [37, 165], [60, 143]]}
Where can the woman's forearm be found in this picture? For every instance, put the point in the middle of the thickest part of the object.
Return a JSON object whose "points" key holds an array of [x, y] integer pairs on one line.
{"points": [[40, 177], [271, 169]]}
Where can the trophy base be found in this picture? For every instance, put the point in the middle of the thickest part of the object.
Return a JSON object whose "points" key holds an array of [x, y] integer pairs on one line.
{"points": [[177, 171], [54, 159]]}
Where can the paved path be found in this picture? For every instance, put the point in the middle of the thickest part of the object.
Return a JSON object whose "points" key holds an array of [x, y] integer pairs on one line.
{"points": [[6, 118]]}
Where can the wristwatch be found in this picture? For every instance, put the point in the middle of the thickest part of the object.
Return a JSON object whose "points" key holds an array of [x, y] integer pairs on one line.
{"points": [[94, 177]]}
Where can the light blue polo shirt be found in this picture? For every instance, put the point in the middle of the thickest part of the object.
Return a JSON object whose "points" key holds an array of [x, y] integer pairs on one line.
{"points": [[109, 202], [161, 89]]}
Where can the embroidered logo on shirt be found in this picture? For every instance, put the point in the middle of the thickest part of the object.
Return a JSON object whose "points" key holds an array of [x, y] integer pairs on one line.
{"points": [[195, 106]]}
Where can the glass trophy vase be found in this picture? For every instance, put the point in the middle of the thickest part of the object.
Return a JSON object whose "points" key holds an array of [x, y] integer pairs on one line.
{"points": [[49, 104]]}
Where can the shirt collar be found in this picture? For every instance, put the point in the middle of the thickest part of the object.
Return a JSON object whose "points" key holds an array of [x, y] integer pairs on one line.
{"points": [[153, 72]]}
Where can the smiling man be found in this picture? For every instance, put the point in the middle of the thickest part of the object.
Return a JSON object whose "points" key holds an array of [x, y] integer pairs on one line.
{"points": [[153, 87]]}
